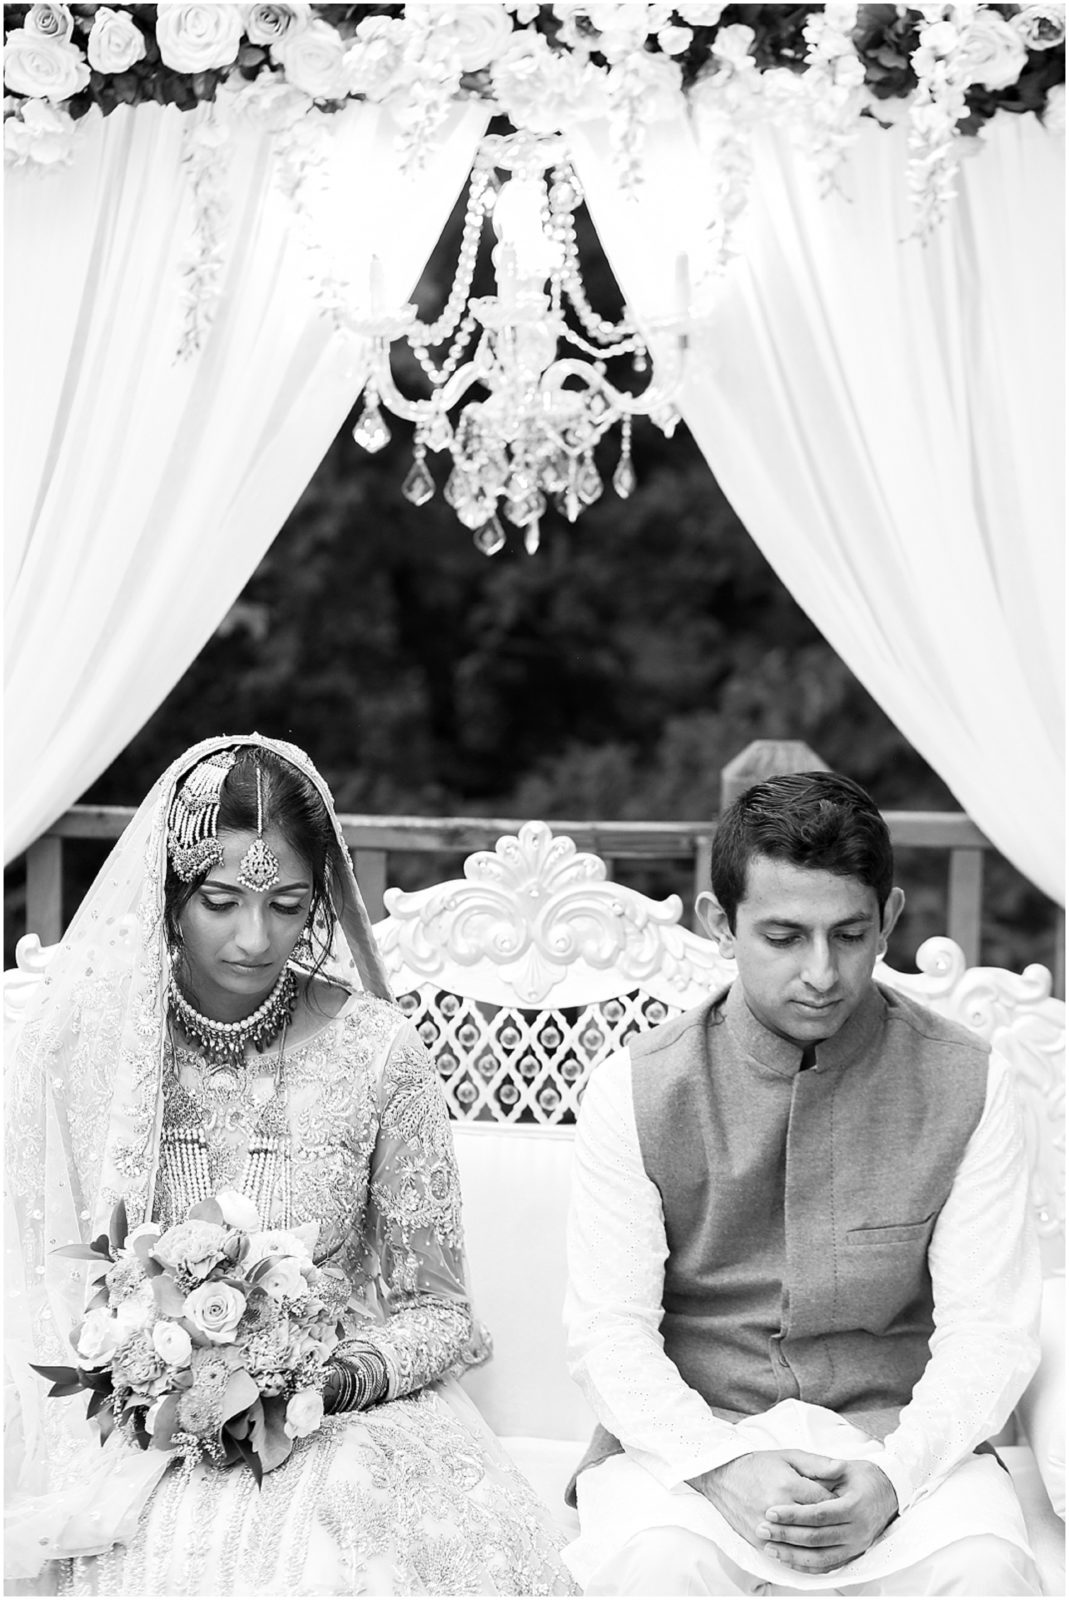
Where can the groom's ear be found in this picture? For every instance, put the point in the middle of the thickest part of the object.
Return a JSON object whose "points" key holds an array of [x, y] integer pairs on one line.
{"points": [[892, 910], [714, 919]]}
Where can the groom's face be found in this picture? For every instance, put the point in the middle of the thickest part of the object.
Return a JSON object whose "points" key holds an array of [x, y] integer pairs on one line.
{"points": [[806, 942]]}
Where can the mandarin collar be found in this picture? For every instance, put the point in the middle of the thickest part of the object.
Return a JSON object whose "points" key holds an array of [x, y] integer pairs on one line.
{"points": [[784, 1057]]}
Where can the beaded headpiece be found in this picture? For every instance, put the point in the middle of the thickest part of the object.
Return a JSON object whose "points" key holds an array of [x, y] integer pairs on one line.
{"points": [[194, 815], [259, 866]]}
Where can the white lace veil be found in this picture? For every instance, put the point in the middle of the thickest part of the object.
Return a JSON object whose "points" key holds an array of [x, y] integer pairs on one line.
{"points": [[84, 1102]]}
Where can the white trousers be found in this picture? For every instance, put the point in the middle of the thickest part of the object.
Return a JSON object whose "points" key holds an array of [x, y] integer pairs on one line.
{"points": [[674, 1561], [639, 1537]]}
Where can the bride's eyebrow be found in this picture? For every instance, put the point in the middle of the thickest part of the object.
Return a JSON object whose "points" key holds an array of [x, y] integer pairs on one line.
{"points": [[236, 888]]}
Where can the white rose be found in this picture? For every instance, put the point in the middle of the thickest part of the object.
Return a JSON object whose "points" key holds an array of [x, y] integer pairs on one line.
{"points": [[173, 1344], [115, 42], [238, 1212], [284, 1280], [701, 16], [1040, 27], [849, 72], [215, 1309], [375, 59], [537, 86], [314, 60], [673, 41], [196, 38], [479, 32], [304, 1413], [732, 44], [98, 1338], [992, 51], [43, 133], [939, 37], [50, 22], [267, 24], [275, 1242], [44, 67]]}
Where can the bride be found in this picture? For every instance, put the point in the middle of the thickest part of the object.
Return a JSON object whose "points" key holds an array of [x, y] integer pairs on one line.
{"points": [[217, 1020]]}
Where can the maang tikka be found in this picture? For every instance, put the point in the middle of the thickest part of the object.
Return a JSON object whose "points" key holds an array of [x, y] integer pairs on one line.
{"points": [[259, 868]]}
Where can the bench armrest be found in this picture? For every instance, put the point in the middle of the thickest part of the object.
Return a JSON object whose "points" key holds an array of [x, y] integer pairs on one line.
{"points": [[1041, 1409]]}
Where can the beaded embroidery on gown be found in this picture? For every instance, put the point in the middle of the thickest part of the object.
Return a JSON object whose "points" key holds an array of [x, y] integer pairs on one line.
{"points": [[346, 1129], [413, 1496]]}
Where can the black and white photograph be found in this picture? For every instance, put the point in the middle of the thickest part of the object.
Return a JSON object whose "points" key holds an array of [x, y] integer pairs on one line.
{"points": [[534, 799]]}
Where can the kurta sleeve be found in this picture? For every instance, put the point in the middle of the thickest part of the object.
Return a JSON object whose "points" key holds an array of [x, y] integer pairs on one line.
{"points": [[413, 1243], [984, 1261]]}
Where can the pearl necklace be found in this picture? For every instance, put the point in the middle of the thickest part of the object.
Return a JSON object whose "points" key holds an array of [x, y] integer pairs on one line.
{"points": [[225, 1043]]}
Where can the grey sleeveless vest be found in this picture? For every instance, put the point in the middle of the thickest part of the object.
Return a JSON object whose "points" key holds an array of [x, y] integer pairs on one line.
{"points": [[799, 1205]]}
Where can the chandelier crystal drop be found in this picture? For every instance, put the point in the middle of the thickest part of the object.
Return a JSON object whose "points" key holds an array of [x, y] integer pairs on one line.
{"points": [[536, 349]]}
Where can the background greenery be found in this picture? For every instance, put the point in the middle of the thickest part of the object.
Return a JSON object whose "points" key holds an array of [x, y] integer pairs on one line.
{"points": [[612, 675]]}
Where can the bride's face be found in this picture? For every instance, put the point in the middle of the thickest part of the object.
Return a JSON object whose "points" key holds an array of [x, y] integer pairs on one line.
{"points": [[236, 941]]}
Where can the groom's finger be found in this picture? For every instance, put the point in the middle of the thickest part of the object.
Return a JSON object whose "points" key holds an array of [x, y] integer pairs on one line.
{"points": [[816, 1514]]}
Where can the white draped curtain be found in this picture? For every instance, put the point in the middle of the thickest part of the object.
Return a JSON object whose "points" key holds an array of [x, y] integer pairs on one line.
{"points": [[142, 490], [887, 419]]}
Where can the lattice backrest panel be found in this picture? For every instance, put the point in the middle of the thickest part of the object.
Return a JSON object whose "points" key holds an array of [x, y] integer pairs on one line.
{"points": [[514, 1065]]}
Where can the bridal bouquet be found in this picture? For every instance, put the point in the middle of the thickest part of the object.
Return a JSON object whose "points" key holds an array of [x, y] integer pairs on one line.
{"points": [[211, 1338]]}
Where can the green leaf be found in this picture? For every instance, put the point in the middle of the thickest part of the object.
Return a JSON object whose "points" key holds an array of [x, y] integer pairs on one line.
{"points": [[57, 1374], [251, 1460], [168, 1296], [165, 1423], [83, 1252], [118, 1228], [206, 1211], [269, 1438], [240, 1393]]}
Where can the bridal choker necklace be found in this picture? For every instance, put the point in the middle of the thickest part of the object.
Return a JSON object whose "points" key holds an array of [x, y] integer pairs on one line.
{"points": [[225, 1043]]}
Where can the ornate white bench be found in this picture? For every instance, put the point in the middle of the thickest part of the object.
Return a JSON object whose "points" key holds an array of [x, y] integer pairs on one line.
{"points": [[526, 973]]}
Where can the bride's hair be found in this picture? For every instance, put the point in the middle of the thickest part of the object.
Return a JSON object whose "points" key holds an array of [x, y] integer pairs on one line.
{"points": [[292, 806]]}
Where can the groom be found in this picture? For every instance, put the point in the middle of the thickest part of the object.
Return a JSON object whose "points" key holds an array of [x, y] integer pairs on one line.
{"points": [[803, 1283]]}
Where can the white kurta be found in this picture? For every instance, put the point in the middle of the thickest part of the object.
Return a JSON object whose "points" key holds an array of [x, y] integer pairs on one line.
{"points": [[984, 1264]]}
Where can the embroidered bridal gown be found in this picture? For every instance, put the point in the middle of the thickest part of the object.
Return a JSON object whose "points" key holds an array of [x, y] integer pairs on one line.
{"points": [[413, 1496]]}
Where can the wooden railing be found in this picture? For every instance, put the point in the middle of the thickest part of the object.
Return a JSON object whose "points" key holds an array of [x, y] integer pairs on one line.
{"points": [[374, 839]]}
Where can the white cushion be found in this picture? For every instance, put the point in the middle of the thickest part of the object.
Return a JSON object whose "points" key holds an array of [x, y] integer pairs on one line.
{"points": [[515, 1182]]}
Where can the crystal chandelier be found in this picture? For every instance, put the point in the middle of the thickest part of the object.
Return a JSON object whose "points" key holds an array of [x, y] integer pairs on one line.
{"points": [[548, 398]]}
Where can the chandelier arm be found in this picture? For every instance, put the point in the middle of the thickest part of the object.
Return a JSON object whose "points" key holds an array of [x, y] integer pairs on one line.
{"points": [[445, 398], [657, 393]]}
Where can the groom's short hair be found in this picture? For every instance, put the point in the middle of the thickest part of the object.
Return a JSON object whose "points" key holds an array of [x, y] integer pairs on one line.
{"points": [[820, 820]]}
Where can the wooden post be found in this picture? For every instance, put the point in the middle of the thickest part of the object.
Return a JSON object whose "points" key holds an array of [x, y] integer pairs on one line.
{"points": [[703, 855], [44, 888], [765, 758], [1058, 989], [965, 892], [370, 868]]}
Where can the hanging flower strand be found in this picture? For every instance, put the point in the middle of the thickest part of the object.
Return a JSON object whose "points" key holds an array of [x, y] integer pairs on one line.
{"points": [[204, 138]]}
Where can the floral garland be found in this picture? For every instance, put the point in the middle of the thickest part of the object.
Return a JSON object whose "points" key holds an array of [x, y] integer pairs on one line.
{"points": [[539, 64], [817, 70]]}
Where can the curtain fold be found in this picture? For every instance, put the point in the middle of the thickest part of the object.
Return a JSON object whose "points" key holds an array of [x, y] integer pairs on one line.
{"points": [[887, 418], [142, 490]]}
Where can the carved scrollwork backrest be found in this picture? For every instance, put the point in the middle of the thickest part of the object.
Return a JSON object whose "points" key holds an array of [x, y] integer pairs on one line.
{"points": [[1016, 1014], [526, 973]]}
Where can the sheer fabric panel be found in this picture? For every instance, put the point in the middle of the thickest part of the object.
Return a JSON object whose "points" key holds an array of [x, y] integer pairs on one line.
{"points": [[142, 490], [887, 419]]}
